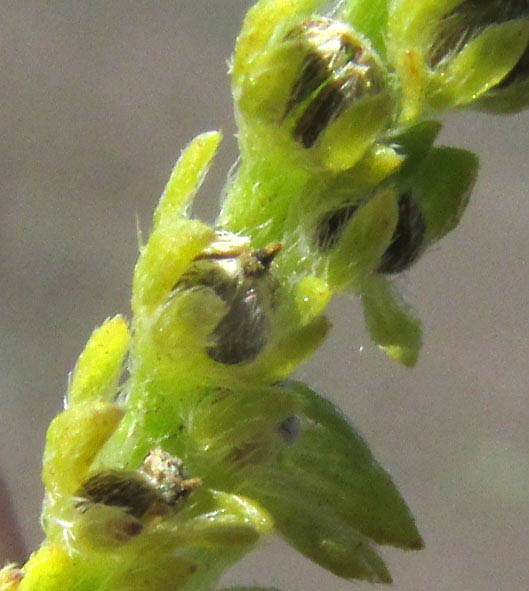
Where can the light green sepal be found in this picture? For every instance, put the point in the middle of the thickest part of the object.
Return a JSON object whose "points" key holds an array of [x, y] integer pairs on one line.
{"points": [[225, 520], [98, 369], [73, 440], [390, 321], [349, 137], [169, 252], [259, 34], [364, 240], [413, 23], [186, 178], [480, 65]]}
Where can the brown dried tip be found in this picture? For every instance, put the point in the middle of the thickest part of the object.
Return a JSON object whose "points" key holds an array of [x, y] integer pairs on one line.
{"points": [[257, 262], [166, 473]]}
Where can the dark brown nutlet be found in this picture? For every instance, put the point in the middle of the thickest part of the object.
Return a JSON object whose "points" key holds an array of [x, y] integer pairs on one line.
{"points": [[154, 489], [337, 68], [118, 488], [331, 226], [408, 239], [241, 277], [242, 333]]}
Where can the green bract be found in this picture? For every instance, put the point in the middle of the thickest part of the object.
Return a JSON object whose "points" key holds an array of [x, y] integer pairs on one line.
{"points": [[164, 477]]}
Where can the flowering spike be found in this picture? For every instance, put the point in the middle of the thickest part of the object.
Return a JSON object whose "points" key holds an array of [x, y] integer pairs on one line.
{"points": [[165, 481]]}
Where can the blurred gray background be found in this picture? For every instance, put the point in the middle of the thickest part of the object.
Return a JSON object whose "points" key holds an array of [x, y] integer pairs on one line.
{"points": [[97, 100]]}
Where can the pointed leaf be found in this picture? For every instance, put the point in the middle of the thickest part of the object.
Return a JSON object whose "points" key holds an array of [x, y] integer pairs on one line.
{"points": [[318, 534]]}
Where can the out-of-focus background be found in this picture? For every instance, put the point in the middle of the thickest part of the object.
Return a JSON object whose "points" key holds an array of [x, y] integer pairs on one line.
{"points": [[97, 99]]}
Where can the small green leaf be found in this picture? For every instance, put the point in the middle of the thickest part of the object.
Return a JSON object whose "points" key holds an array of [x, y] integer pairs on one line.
{"points": [[390, 321], [321, 536]]}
